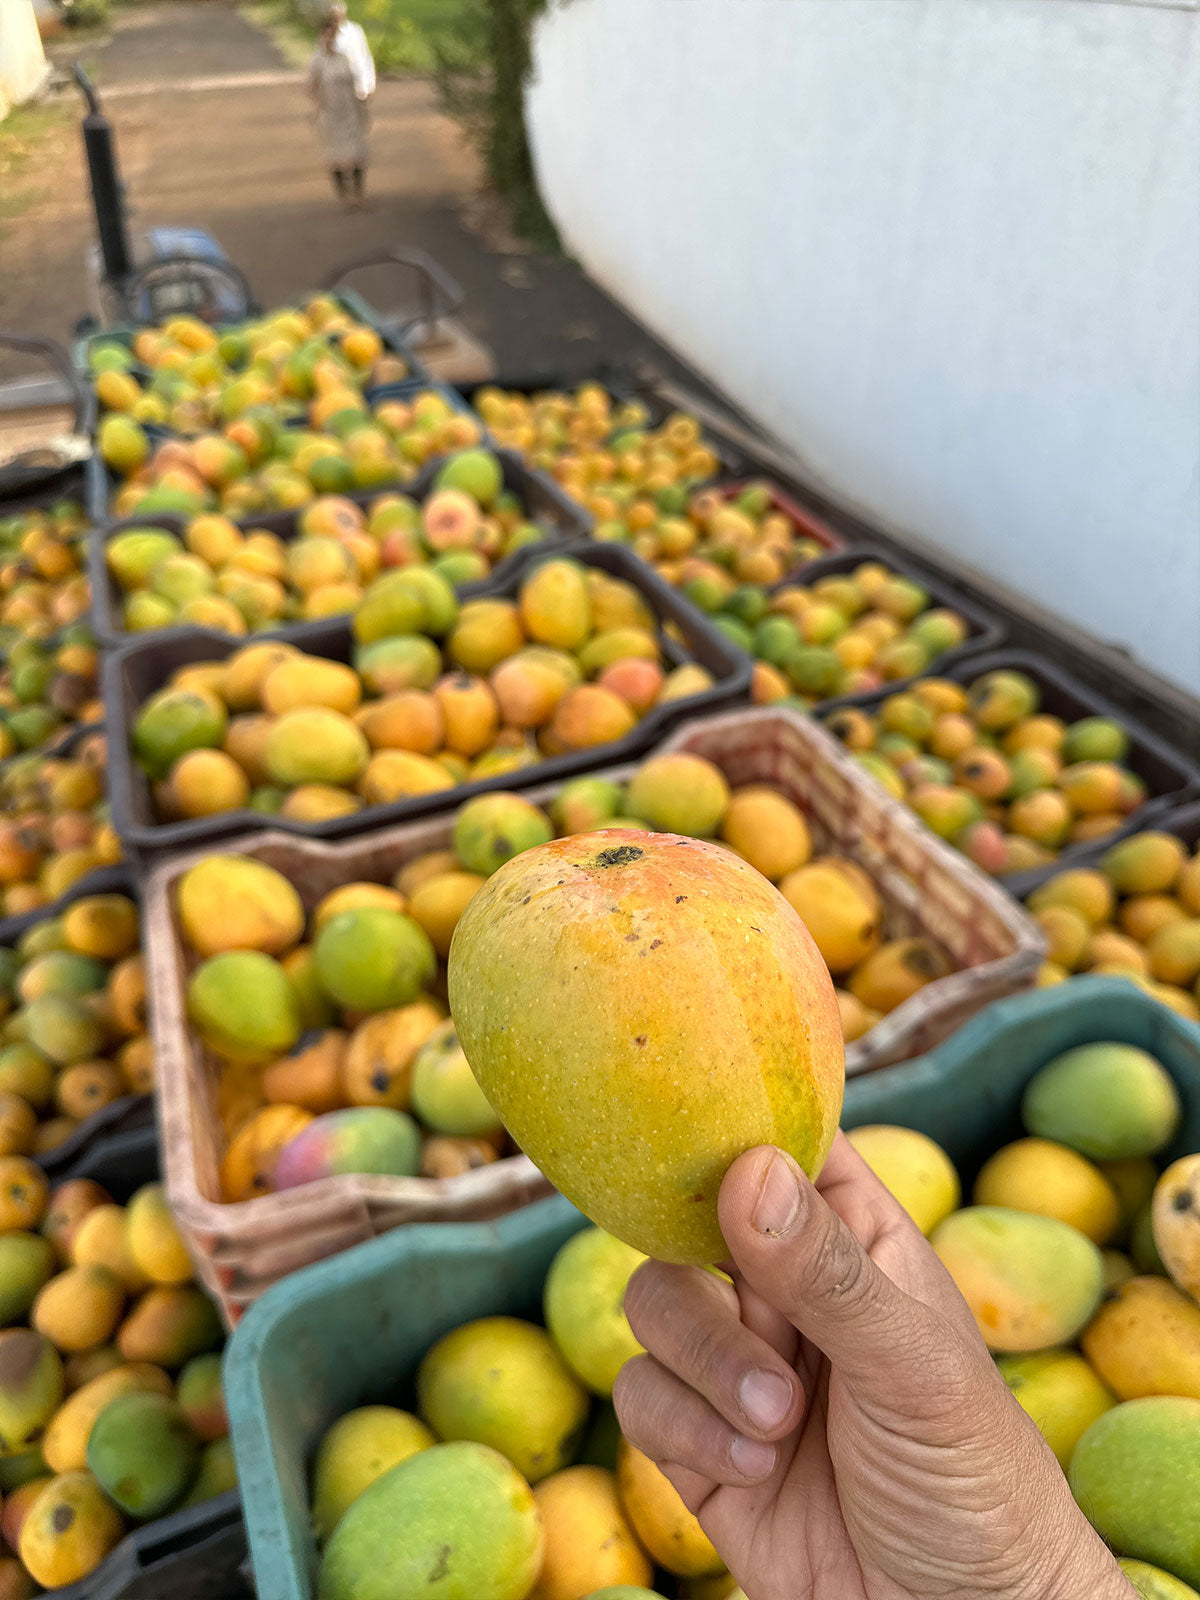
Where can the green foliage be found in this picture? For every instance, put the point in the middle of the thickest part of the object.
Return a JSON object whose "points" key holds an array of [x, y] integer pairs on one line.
{"points": [[90, 14], [481, 77]]}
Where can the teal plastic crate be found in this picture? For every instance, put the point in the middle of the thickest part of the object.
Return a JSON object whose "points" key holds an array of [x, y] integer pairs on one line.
{"points": [[351, 1330]]}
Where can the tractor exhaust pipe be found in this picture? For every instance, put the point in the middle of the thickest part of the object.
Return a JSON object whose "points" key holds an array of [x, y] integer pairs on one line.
{"points": [[107, 196]]}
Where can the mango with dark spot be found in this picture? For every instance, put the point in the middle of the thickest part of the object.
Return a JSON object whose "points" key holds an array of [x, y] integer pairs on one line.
{"points": [[69, 1529], [578, 949]]}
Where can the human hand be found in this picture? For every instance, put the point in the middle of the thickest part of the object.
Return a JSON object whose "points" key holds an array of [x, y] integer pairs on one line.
{"points": [[834, 1419]]}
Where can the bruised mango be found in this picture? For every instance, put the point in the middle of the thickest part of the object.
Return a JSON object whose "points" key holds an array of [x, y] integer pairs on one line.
{"points": [[491, 829], [68, 1205], [311, 1077], [1030, 1281], [248, 1168], [378, 1064], [143, 1453], [69, 1529], [896, 971], [31, 1385], [1176, 1222], [844, 916], [629, 930]]}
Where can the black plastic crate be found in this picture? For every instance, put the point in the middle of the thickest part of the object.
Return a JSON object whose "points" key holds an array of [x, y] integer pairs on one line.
{"points": [[1183, 821], [1171, 776], [985, 631], [135, 672], [192, 1554], [40, 470], [562, 518], [130, 1112]]}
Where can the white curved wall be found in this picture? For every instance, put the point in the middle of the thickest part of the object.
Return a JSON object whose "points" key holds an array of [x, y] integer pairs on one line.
{"points": [[948, 250]]}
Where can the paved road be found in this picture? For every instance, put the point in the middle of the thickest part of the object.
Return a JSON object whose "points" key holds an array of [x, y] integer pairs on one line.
{"points": [[215, 131]]}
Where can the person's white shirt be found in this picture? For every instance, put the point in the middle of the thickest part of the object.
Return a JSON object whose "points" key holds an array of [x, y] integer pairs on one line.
{"points": [[351, 42]]}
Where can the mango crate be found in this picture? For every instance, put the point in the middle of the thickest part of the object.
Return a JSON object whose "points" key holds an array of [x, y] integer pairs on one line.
{"points": [[135, 672], [196, 1553], [560, 518], [1172, 777], [130, 1112], [351, 1332], [242, 1248]]}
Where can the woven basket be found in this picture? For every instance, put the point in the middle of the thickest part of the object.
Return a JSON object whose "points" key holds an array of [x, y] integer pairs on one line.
{"points": [[240, 1249]]}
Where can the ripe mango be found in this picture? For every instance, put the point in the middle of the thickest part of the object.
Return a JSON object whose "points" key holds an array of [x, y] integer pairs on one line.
{"points": [[1062, 1394], [101, 1242], [588, 1541], [554, 605], [843, 917], [64, 1444], [1054, 1181], [359, 1448], [1147, 863], [378, 1065], [662, 954], [501, 1382], [664, 1525], [584, 1306], [68, 1205], [917, 1171], [439, 903], [896, 971], [248, 1168], [1030, 1281], [233, 902], [445, 1094], [368, 1139], [154, 1240], [311, 1077], [143, 1453], [79, 1308], [1145, 1339], [1176, 1222], [315, 745], [767, 830], [1135, 1475], [69, 1529], [678, 793], [456, 1510], [1111, 1102], [168, 1326]]}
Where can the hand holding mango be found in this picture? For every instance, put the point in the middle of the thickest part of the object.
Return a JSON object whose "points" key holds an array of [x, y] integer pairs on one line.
{"points": [[832, 1416]]}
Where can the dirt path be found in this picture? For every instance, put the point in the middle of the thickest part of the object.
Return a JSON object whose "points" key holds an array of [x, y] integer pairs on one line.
{"points": [[214, 130]]}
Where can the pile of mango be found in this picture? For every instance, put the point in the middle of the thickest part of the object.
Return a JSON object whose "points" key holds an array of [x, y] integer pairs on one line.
{"points": [[55, 826], [834, 897], [438, 694], [43, 571], [111, 1408], [1135, 915], [257, 464], [47, 687], [221, 577], [189, 377], [741, 531], [74, 1039], [846, 633], [331, 1033], [1007, 784], [512, 1471], [602, 450], [1081, 1264]]}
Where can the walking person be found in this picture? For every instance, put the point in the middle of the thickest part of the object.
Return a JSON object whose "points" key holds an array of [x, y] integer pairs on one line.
{"points": [[341, 115], [351, 41]]}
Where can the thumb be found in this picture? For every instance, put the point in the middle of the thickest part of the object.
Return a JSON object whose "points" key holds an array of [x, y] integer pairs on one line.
{"points": [[800, 1256]]}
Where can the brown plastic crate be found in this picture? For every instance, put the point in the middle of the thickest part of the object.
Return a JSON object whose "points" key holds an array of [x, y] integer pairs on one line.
{"points": [[241, 1249], [927, 888]]}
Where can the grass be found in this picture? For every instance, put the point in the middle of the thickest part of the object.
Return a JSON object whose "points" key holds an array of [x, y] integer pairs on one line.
{"points": [[406, 35], [22, 135]]}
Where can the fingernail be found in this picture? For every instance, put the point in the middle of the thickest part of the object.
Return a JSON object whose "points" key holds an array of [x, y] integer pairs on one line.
{"points": [[764, 1398], [778, 1199], [751, 1457]]}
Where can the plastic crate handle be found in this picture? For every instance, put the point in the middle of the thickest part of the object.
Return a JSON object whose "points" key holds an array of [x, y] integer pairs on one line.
{"points": [[434, 284], [56, 357]]}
